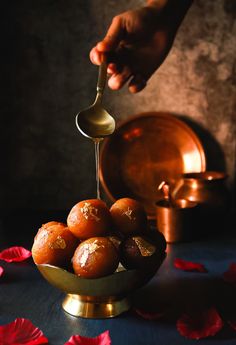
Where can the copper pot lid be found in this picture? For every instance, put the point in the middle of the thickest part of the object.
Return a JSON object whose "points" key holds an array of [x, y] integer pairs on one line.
{"points": [[145, 150]]}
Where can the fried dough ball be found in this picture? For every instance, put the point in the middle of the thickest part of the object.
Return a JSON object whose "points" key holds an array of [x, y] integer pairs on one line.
{"points": [[95, 258], [89, 218], [54, 244], [139, 252], [129, 216], [116, 241], [158, 238]]}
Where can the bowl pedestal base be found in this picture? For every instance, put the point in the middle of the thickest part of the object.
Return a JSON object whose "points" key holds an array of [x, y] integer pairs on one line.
{"points": [[95, 307]]}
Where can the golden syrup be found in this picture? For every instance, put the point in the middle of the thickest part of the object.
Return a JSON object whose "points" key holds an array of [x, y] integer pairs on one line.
{"points": [[97, 164]]}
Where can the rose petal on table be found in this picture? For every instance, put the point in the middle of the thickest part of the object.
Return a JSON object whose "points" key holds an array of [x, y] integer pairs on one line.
{"points": [[230, 275], [102, 339], [21, 331], [200, 325], [189, 266], [148, 315], [15, 254], [1, 271]]}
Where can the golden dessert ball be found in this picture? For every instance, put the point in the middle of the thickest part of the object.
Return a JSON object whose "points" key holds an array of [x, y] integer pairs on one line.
{"points": [[158, 238], [89, 218], [116, 241], [95, 258], [129, 216], [54, 244], [140, 252]]}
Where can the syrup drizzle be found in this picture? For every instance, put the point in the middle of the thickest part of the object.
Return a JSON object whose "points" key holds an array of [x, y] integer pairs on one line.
{"points": [[97, 164]]}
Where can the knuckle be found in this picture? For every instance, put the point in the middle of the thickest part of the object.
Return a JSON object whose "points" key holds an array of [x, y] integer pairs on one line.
{"points": [[116, 20]]}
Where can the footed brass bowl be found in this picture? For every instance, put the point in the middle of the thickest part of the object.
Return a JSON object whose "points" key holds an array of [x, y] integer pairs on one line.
{"points": [[98, 298]]}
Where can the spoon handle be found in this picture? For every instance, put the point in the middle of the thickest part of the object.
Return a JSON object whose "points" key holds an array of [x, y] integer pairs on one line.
{"points": [[102, 77]]}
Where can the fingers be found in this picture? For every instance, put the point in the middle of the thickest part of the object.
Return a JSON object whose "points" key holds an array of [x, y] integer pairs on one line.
{"points": [[110, 42], [95, 56], [119, 77], [120, 58], [118, 80], [114, 35], [112, 68], [137, 83]]}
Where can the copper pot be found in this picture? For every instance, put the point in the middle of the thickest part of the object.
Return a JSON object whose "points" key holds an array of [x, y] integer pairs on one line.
{"points": [[207, 189], [177, 221]]}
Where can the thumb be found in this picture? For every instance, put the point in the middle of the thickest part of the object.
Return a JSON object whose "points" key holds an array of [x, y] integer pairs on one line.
{"points": [[114, 35]]}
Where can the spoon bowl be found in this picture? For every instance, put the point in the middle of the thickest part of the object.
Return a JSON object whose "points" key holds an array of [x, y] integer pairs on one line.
{"points": [[95, 122]]}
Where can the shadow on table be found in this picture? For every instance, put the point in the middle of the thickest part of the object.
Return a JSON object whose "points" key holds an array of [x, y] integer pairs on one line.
{"points": [[173, 298]]}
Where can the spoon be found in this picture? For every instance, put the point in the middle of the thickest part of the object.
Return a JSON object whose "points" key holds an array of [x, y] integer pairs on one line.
{"points": [[95, 122]]}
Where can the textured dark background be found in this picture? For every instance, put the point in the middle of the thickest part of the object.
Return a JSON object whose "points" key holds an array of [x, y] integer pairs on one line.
{"points": [[46, 78]]}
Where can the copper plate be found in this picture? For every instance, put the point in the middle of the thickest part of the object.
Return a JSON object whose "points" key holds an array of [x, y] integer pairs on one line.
{"points": [[145, 150]]}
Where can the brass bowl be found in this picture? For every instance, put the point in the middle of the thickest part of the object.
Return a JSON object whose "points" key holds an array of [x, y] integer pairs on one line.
{"points": [[97, 298]]}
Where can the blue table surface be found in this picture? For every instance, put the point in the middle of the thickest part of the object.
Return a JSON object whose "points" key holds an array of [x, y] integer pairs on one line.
{"points": [[25, 293]]}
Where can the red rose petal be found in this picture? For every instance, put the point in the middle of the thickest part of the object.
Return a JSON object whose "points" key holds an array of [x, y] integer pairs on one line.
{"points": [[21, 331], [15, 254], [189, 266], [147, 315], [200, 325], [230, 275], [102, 339], [232, 324], [1, 271]]}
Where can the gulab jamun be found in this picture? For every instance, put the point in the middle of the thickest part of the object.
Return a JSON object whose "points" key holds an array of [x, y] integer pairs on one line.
{"points": [[54, 244], [116, 241], [129, 216], [139, 252], [95, 258], [158, 238], [89, 218]]}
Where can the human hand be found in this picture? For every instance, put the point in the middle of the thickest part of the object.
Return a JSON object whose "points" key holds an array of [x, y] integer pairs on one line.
{"points": [[135, 45]]}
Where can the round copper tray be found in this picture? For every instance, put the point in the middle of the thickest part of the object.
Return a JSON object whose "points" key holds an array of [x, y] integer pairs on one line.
{"points": [[145, 150]]}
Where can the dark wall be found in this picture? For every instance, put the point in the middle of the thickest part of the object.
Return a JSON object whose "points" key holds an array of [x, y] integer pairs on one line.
{"points": [[46, 78]]}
